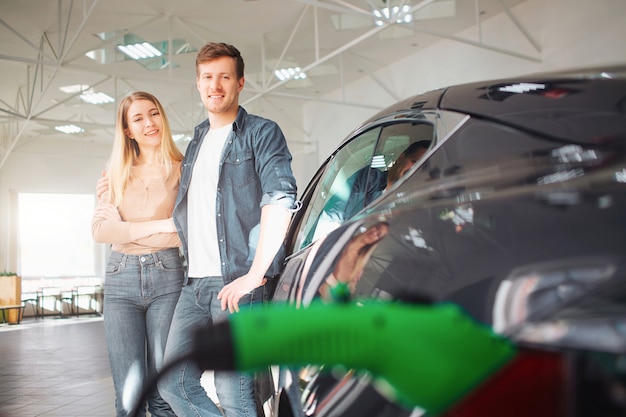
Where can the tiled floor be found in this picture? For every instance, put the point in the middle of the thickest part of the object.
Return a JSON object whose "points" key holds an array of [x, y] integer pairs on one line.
{"points": [[59, 367], [55, 367]]}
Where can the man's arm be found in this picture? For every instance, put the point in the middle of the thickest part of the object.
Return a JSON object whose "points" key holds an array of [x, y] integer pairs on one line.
{"points": [[274, 223]]}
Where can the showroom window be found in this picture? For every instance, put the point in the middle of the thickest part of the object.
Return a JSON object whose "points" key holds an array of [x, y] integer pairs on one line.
{"points": [[54, 235]]}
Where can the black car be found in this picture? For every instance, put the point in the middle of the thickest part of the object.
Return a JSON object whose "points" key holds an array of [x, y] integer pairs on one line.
{"points": [[516, 213]]}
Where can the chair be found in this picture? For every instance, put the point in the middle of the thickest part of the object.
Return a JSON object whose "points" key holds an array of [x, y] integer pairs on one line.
{"points": [[31, 299], [87, 299], [50, 300], [67, 298]]}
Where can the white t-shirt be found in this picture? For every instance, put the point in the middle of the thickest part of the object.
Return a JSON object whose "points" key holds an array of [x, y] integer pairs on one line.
{"points": [[204, 254]]}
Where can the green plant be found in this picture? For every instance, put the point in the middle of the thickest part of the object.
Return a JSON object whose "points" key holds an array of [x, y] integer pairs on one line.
{"points": [[7, 274]]}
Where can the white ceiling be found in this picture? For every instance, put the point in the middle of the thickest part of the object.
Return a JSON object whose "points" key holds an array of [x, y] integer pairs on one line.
{"points": [[43, 45]]}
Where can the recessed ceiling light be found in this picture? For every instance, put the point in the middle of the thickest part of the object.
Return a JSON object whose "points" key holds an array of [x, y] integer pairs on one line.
{"points": [[398, 13], [96, 98], [294, 73], [88, 94], [70, 129], [74, 89], [140, 50]]}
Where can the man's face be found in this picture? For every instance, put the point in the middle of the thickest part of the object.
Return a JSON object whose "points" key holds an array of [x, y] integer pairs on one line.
{"points": [[403, 164], [218, 85]]}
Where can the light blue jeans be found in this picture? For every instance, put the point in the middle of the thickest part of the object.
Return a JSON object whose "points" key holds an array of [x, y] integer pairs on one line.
{"points": [[140, 295], [197, 307]]}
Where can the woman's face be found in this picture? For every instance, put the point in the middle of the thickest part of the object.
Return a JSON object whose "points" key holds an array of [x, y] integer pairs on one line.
{"points": [[144, 123]]}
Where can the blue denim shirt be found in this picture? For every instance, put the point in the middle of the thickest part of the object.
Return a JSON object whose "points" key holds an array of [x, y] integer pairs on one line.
{"points": [[255, 170]]}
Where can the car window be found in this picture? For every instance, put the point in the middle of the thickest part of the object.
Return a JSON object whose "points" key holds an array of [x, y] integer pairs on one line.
{"points": [[359, 173], [332, 187]]}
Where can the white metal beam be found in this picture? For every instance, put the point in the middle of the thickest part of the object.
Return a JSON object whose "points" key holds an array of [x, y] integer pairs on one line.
{"points": [[33, 103]]}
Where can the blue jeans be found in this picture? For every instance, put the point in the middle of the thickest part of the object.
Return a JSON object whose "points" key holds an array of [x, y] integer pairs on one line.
{"points": [[198, 306], [140, 295]]}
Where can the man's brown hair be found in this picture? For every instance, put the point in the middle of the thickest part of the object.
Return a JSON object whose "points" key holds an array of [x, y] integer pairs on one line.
{"points": [[213, 50]]}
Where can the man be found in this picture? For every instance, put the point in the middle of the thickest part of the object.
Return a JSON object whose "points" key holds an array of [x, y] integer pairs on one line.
{"points": [[409, 157], [235, 201], [368, 183]]}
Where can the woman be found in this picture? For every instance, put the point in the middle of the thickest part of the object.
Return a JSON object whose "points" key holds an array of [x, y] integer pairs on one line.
{"points": [[144, 274]]}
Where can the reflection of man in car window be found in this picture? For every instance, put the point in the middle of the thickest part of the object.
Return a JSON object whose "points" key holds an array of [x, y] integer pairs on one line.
{"points": [[368, 183]]}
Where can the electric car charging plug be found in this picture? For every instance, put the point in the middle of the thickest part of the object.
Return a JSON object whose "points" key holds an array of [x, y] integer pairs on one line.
{"points": [[425, 356]]}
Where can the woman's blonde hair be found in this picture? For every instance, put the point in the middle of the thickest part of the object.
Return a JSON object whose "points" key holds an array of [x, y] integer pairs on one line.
{"points": [[126, 150]]}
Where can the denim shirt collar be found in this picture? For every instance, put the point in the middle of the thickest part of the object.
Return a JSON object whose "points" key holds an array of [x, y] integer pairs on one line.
{"points": [[238, 124]]}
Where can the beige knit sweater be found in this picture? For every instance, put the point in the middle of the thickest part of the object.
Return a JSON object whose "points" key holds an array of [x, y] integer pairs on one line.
{"points": [[143, 200]]}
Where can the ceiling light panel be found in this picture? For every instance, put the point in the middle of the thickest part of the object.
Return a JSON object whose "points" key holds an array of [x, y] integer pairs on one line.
{"points": [[291, 73], [140, 50], [96, 98], [69, 129]]}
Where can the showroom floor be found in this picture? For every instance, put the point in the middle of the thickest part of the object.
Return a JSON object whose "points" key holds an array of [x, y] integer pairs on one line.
{"points": [[55, 367], [58, 367]]}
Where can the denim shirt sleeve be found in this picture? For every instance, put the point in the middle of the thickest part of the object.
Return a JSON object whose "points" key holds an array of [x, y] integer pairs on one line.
{"points": [[273, 165], [281, 199], [255, 171]]}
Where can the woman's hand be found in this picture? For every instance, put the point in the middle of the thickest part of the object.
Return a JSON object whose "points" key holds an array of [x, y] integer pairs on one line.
{"points": [[102, 187], [107, 212]]}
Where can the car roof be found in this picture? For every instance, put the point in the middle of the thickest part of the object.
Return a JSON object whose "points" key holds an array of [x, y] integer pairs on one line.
{"points": [[583, 105]]}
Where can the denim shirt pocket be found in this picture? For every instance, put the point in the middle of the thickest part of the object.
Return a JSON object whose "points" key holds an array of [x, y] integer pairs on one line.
{"points": [[238, 168]]}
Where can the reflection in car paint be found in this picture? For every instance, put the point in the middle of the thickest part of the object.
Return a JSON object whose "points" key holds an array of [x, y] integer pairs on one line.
{"points": [[416, 239], [532, 294], [574, 154], [501, 92], [348, 268], [461, 216], [561, 176], [560, 197]]}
